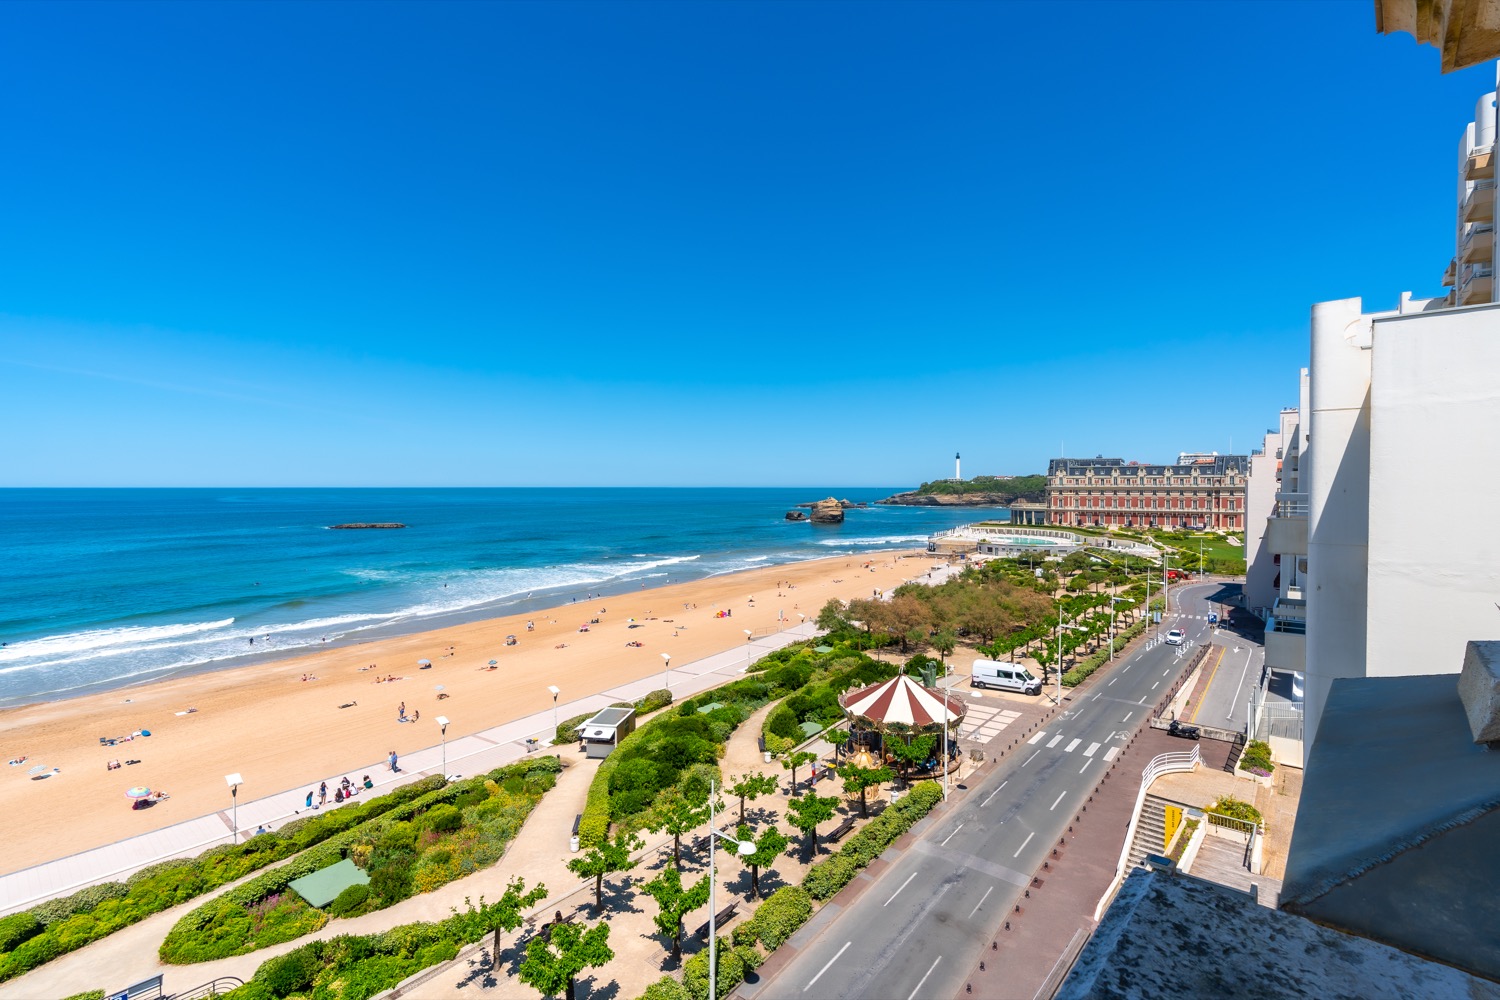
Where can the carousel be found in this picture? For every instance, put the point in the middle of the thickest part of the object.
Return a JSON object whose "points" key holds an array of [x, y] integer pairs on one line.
{"points": [[903, 710]]}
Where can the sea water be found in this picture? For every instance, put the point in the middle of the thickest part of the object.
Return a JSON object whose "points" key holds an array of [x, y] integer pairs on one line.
{"points": [[105, 588]]}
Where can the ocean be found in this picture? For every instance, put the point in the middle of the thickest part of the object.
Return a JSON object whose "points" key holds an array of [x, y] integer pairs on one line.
{"points": [[106, 588]]}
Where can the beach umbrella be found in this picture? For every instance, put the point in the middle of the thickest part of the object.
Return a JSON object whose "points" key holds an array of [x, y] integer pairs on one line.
{"points": [[39, 769], [437, 687], [138, 792], [494, 663], [424, 663]]}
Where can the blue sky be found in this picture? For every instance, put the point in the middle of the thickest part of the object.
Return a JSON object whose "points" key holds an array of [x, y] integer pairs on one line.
{"points": [[689, 243]]}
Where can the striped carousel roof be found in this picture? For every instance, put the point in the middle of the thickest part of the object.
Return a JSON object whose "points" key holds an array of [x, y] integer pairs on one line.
{"points": [[904, 701]]}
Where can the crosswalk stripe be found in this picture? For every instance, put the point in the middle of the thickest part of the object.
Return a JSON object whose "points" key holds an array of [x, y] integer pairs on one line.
{"points": [[1041, 733], [1090, 751], [1054, 741], [1070, 746], [1111, 754]]}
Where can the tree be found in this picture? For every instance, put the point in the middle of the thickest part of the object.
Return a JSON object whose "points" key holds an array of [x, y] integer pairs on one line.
{"points": [[554, 961], [858, 779], [606, 859], [768, 848], [795, 761], [909, 754], [832, 618], [945, 642], [675, 902], [752, 787], [677, 814], [504, 914], [807, 812]]}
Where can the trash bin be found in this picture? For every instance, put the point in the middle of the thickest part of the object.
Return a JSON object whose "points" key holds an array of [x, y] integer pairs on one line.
{"points": [[768, 756], [573, 844]]}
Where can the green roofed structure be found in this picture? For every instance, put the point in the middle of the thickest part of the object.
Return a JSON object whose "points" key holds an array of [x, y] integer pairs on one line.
{"points": [[323, 886], [822, 649]]}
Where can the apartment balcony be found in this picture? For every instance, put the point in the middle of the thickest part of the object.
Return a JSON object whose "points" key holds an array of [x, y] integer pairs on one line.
{"points": [[1476, 284], [1479, 206], [1287, 535], [1286, 636], [1481, 164], [1478, 245], [1450, 273]]}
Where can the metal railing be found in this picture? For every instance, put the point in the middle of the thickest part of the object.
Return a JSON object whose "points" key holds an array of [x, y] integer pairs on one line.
{"points": [[1286, 626], [1242, 827], [1290, 505], [1278, 720], [216, 988], [1471, 271], [1165, 763]]}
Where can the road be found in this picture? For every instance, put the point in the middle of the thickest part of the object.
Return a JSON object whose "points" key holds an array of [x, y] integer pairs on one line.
{"points": [[917, 931]]}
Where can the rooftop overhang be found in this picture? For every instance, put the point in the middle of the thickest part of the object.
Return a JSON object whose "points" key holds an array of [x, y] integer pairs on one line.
{"points": [[1466, 32]]}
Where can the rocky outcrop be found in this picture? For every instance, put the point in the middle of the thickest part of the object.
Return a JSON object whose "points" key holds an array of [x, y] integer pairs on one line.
{"points": [[916, 499], [846, 504], [368, 524], [828, 511], [796, 515]]}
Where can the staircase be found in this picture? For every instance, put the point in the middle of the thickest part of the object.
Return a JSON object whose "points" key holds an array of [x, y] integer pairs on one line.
{"points": [[1149, 830], [1235, 751]]}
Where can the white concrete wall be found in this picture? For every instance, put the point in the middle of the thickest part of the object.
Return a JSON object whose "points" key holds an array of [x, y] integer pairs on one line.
{"points": [[1435, 414], [1336, 472]]}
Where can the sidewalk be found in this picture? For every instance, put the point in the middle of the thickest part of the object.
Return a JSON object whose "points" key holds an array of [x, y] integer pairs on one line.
{"points": [[474, 754]]}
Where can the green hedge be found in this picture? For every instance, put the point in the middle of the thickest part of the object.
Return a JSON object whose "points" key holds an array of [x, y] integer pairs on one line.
{"points": [[1083, 670], [776, 919], [222, 927], [99, 910], [824, 879], [88, 995]]}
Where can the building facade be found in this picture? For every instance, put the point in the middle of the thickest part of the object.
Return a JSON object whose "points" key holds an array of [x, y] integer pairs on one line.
{"points": [[1198, 491]]}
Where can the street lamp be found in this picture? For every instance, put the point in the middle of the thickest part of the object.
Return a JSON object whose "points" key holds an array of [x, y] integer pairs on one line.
{"points": [[667, 671], [747, 634], [744, 848], [555, 693], [1112, 602], [442, 721], [234, 781], [1060, 627]]}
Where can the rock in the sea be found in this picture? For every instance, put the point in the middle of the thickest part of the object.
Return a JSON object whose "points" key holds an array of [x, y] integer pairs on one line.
{"points": [[828, 511], [369, 524], [796, 515]]}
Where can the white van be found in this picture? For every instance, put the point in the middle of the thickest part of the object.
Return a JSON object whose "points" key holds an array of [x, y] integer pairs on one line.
{"points": [[1004, 676]]}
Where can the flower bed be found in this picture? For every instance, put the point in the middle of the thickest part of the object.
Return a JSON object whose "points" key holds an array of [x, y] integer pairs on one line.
{"points": [[58, 926], [445, 834]]}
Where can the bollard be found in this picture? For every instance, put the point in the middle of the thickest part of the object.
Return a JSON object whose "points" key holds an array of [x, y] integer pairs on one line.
{"points": [[994, 946], [1028, 893], [981, 965], [1046, 867], [1007, 925]]}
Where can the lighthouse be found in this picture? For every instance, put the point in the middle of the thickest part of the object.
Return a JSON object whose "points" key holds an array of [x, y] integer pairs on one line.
{"points": [[956, 474]]}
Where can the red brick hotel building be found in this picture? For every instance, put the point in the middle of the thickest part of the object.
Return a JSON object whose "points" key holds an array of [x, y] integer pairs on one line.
{"points": [[1199, 491]]}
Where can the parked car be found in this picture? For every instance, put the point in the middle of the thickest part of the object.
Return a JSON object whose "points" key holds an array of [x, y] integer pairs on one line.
{"points": [[1175, 637], [1185, 731]]}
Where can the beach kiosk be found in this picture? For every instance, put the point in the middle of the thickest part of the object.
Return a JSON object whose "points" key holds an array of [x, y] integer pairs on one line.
{"points": [[601, 734]]}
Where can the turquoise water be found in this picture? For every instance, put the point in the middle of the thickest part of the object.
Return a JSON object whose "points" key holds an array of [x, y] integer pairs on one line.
{"points": [[112, 587]]}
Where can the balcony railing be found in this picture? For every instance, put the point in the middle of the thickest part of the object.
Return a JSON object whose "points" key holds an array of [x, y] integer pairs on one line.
{"points": [[1287, 626], [1472, 272], [1290, 505]]}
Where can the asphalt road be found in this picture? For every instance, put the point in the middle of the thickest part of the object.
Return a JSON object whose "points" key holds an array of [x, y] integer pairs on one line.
{"points": [[918, 930]]}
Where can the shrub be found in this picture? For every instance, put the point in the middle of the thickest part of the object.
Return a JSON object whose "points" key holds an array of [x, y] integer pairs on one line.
{"points": [[783, 722], [1257, 757], [1236, 809], [824, 879], [88, 995], [292, 972], [446, 818], [660, 698], [567, 730], [665, 988], [348, 902], [16, 928], [729, 974], [550, 764], [776, 919], [82, 901]]}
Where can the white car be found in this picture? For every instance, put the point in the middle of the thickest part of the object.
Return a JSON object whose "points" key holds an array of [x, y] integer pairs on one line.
{"points": [[1175, 637]]}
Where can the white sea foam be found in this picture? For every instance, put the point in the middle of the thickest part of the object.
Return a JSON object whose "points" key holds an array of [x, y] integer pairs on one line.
{"points": [[103, 639], [887, 540]]}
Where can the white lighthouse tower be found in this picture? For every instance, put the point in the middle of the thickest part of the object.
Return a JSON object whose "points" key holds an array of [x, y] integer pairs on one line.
{"points": [[957, 474]]}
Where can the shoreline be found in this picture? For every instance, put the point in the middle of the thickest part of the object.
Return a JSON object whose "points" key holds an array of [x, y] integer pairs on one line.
{"points": [[262, 720]]}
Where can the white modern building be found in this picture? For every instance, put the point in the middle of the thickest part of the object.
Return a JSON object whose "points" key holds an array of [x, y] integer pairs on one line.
{"points": [[1377, 556], [1471, 272]]}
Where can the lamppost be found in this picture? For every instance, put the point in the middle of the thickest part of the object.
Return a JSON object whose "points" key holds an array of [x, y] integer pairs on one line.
{"points": [[747, 634], [1112, 602], [442, 721], [234, 781], [667, 671], [1200, 559], [1060, 627], [744, 848], [555, 693]]}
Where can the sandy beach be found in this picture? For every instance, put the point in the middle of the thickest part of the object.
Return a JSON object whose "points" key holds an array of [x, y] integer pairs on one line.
{"points": [[280, 731]]}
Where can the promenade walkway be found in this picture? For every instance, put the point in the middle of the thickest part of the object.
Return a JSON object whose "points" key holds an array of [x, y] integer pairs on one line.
{"points": [[473, 754]]}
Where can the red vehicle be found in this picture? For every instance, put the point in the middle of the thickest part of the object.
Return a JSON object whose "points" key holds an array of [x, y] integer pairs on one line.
{"points": [[1175, 574]]}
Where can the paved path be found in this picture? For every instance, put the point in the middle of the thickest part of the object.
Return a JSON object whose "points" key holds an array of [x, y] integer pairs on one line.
{"points": [[483, 751]]}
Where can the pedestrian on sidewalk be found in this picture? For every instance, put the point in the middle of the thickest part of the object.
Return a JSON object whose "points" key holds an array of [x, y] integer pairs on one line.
{"points": [[322, 794]]}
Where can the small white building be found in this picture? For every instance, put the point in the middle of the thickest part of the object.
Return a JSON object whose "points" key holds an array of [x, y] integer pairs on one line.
{"points": [[601, 734]]}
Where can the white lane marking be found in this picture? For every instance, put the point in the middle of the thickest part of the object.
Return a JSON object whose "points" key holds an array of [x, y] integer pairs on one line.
{"points": [[1127, 717], [1054, 741], [1085, 766], [1111, 681], [824, 969], [1127, 667], [1095, 697], [1166, 671], [1111, 754], [1031, 758], [1090, 751], [903, 886], [1023, 844], [1059, 799], [943, 844], [1038, 736], [1070, 747], [994, 793], [981, 900], [923, 980], [1153, 686]]}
